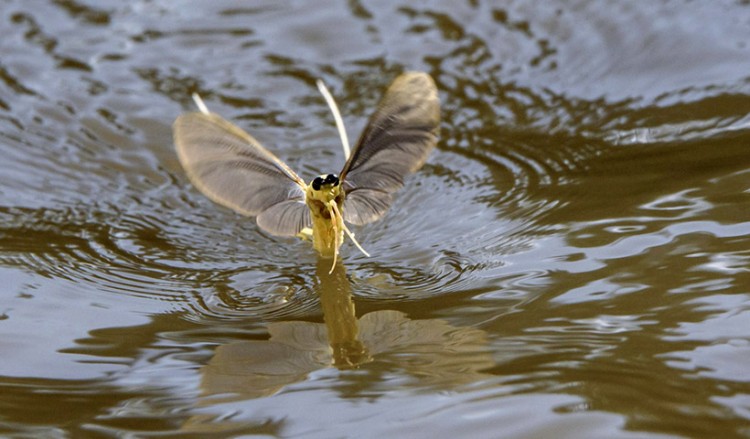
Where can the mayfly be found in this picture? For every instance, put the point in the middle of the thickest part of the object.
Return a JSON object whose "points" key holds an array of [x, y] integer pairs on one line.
{"points": [[233, 169]]}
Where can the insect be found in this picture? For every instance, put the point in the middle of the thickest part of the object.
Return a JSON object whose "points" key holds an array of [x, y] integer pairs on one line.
{"points": [[233, 169]]}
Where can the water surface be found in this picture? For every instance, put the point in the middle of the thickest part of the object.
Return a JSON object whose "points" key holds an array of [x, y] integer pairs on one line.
{"points": [[571, 262]]}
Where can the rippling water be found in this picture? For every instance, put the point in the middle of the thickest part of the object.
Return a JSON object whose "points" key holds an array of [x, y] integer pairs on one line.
{"points": [[571, 262]]}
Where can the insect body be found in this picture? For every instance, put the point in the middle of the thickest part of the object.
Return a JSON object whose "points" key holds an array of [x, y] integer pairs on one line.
{"points": [[326, 202], [233, 169]]}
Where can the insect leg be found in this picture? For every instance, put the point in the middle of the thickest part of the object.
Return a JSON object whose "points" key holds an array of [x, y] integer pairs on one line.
{"points": [[332, 213], [349, 233]]}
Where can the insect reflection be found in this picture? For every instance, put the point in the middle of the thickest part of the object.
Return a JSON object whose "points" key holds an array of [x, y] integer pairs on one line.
{"points": [[233, 169]]}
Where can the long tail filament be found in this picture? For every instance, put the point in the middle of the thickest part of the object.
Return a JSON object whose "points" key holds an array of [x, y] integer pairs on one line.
{"points": [[200, 104], [336, 116]]}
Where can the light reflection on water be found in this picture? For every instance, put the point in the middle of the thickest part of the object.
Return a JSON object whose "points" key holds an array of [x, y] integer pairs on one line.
{"points": [[577, 245]]}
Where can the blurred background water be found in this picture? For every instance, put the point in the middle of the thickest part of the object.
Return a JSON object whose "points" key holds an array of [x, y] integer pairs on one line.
{"points": [[571, 262]]}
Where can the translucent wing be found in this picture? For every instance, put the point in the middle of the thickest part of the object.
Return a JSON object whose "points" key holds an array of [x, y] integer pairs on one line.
{"points": [[230, 167], [396, 142]]}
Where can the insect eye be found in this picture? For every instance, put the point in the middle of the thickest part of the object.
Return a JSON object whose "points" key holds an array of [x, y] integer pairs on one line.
{"points": [[332, 179], [316, 183]]}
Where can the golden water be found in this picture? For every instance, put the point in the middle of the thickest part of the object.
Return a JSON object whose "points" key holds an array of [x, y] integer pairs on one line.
{"points": [[573, 260]]}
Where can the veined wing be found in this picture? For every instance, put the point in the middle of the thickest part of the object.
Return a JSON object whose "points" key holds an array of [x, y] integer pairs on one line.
{"points": [[396, 142], [231, 168]]}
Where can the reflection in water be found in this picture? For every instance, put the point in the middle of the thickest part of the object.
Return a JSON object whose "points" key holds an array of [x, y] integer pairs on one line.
{"points": [[596, 151], [437, 352], [340, 317]]}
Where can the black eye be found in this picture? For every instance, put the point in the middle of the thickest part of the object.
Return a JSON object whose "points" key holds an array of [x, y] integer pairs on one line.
{"points": [[332, 179], [316, 183]]}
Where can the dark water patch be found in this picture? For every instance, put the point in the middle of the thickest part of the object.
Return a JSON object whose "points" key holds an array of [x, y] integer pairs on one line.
{"points": [[87, 13], [83, 401], [137, 257], [78, 249], [585, 209]]}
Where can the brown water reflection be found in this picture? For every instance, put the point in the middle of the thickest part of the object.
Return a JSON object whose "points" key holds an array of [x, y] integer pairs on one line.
{"points": [[432, 350], [581, 228]]}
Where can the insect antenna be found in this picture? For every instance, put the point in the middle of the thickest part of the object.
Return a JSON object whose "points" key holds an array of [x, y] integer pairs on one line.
{"points": [[336, 116]]}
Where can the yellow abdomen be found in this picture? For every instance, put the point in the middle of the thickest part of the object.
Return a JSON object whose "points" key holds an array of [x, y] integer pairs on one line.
{"points": [[327, 223]]}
